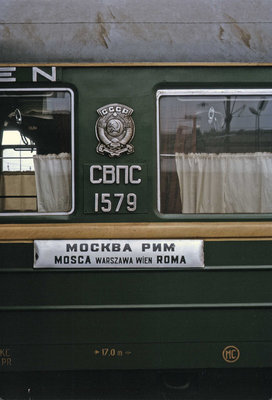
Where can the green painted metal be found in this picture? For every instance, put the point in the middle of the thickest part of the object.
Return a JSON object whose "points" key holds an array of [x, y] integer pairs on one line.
{"points": [[77, 319], [136, 87]]}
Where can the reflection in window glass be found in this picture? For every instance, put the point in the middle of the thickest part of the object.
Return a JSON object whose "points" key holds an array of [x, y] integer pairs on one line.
{"points": [[11, 138], [35, 150], [18, 158], [215, 152]]}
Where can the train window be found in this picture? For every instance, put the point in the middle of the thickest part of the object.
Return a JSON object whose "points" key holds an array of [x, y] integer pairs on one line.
{"points": [[214, 151], [36, 136]]}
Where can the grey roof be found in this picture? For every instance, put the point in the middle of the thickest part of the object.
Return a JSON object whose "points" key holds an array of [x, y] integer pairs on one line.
{"points": [[135, 31]]}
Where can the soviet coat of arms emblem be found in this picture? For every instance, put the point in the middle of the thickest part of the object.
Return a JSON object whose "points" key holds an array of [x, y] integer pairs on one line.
{"points": [[115, 130]]}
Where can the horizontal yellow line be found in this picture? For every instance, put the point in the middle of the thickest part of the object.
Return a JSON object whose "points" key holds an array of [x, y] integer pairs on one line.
{"points": [[138, 64], [164, 230]]}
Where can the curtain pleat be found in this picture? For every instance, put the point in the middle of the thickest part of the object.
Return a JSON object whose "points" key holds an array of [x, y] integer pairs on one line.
{"points": [[53, 182], [225, 183]]}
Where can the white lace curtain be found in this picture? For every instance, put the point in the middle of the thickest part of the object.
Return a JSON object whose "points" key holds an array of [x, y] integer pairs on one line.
{"points": [[225, 183], [53, 182]]}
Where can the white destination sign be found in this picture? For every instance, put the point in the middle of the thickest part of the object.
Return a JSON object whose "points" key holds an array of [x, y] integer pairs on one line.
{"points": [[117, 253]]}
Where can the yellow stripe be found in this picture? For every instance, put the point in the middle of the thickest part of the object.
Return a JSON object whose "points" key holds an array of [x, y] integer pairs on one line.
{"points": [[165, 230], [139, 64]]}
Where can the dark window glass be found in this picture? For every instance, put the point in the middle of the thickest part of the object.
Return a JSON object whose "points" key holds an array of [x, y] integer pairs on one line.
{"points": [[36, 150], [215, 152]]}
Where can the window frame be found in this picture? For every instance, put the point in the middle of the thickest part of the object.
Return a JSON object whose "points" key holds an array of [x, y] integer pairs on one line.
{"points": [[72, 119], [202, 92]]}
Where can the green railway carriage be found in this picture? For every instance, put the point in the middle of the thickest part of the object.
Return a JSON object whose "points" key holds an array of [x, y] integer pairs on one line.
{"points": [[135, 216]]}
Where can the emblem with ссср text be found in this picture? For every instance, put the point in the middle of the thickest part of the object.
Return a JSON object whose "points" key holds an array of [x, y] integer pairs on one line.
{"points": [[115, 130]]}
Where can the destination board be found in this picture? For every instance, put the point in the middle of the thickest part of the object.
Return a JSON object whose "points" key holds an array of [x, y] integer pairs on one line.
{"points": [[118, 253]]}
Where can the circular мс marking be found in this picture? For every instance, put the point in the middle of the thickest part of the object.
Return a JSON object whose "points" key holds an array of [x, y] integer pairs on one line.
{"points": [[231, 354]]}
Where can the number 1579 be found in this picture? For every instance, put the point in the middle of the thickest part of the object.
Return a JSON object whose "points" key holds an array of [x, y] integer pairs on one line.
{"points": [[112, 202]]}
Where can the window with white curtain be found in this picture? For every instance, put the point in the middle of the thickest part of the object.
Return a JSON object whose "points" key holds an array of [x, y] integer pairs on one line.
{"points": [[214, 151], [36, 151]]}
